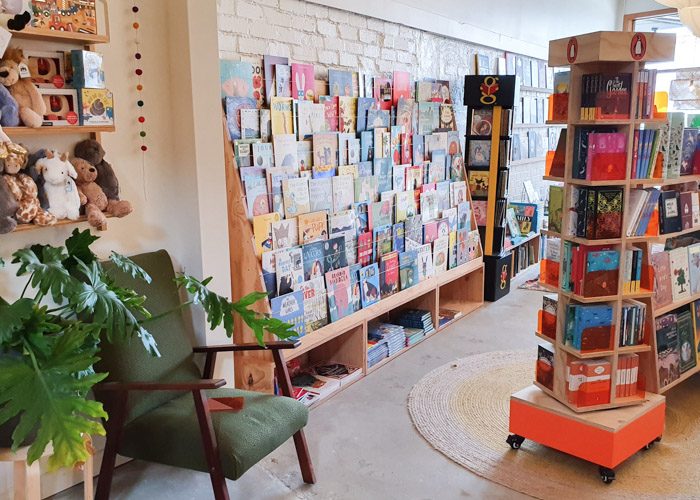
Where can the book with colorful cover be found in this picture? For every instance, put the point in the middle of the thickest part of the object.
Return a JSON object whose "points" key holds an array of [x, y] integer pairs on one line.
{"points": [[262, 155], [296, 196], [366, 146], [452, 251], [304, 156], [428, 205], [401, 86], [369, 284], [364, 248], [661, 263], [234, 105], [366, 189], [413, 231], [313, 260], [399, 177], [343, 192], [451, 215], [361, 217], [334, 253], [355, 294], [473, 244], [342, 221], [443, 195], [667, 349], [275, 176], [382, 169], [396, 133], [269, 273], [284, 233], [236, 78], [464, 216], [262, 231], [269, 63], [289, 269], [440, 257], [281, 115], [315, 307], [418, 152], [378, 119], [250, 123], [325, 149], [313, 226], [347, 112], [462, 243], [408, 269], [354, 152], [458, 193], [480, 211], [383, 92], [382, 241], [321, 194], [283, 80], [290, 309], [303, 81], [310, 118], [404, 204], [380, 214], [428, 117], [448, 120], [399, 235], [426, 267], [338, 292], [330, 114], [430, 231], [364, 104], [479, 153], [389, 274], [680, 279], [256, 196], [323, 171], [339, 83], [482, 121], [405, 117], [443, 227], [285, 148], [457, 170]]}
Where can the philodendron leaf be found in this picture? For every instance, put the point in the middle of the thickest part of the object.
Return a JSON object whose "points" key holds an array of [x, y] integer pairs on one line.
{"points": [[78, 247], [128, 266], [48, 396], [49, 275], [2, 263], [12, 317]]}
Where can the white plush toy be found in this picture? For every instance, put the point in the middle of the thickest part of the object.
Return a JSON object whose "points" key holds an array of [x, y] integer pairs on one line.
{"points": [[61, 191]]}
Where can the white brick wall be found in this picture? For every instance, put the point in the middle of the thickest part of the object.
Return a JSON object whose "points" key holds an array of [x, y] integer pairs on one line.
{"points": [[333, 38]]}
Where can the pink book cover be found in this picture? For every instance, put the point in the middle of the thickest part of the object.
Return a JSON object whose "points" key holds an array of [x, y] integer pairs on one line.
{"points": [[330, 114], [480, 212], [383, 92], [402, 86], [607, 156], [661, 263], [428, 187], [303, 81], [430, 231], [406, 149]]}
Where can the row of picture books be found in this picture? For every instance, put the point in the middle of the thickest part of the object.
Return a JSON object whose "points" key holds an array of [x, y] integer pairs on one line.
{"points": [[677, 337], [608, 96], [312, 384], [591, 327], [676, 271], [596, 212], [588, 382], [408, 327]]}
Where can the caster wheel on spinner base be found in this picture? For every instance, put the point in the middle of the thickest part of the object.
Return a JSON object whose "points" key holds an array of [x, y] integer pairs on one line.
{"points": [[515, 441], [606, 475]]}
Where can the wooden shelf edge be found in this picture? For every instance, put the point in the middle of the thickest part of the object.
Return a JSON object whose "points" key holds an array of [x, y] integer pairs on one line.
{"points": [[58, 130], [660, 311], [544, 337], [552, 178], [684, 376], [59, 36], [63, 222], [586, 355]]}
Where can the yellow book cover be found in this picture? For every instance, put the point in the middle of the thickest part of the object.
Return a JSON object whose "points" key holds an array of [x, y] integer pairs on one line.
{"points": [[312, 226], [262, 231], [347, 109], [281, 115]]}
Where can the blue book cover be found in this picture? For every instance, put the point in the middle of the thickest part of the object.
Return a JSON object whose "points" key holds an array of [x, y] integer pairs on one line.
{"points": [[314, 257], [339, 83], [408, 269], [651, 204], [319, 172], [589, 317], [398, 233], [364, 104], [382, 169], [355, 295], [369, 284], [377, 118], [366, 145], [290, 309], [418, 149], [382, 241], [361, 217], [233, 114], [236, 78], [364, 169], [603, 260]]}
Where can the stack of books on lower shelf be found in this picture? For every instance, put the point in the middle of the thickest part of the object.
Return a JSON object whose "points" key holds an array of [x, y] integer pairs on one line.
{"points": [[313, 384], [384, 340], [416, 318]]}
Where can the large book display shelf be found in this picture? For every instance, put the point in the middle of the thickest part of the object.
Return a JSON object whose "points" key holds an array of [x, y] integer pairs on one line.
{"points": [[343, 341]]}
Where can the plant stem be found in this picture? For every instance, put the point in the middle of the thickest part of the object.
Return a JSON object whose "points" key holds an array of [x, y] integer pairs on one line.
{"points": [[26, 286], [166, 313]]}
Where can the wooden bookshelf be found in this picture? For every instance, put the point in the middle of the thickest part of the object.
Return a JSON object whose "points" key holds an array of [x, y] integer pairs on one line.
{"points": [[606, 52], [345, 340], [63, 222], [56, 130], [72, 37]]}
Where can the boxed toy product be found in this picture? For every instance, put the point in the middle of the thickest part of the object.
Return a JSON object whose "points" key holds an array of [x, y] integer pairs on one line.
{"points": [[66, 15], [47, 69], [61, 107], [87, 69], [96, 107]]}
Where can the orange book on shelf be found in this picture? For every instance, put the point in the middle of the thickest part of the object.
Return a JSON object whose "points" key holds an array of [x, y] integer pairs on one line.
{"points": [[658, 166], [595, 383], [653, 227]]}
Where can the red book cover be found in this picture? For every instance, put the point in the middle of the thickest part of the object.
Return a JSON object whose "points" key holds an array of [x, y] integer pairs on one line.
{"points": [[607, 157], [402, 86], [364, 248], [330, 114], [389, 274], [406, 148], [612, 100], [383, 92], [303, 81]]}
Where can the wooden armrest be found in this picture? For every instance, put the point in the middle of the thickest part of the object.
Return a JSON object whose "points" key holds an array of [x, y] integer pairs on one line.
{"points": [[162, 386], [250, 346]]}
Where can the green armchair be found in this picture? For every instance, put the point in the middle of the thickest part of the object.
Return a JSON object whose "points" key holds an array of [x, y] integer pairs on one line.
{"points": [[158, 409]]}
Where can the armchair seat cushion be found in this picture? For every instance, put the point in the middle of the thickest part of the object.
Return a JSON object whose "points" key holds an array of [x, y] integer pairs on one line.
{"points": [[169, 434]]}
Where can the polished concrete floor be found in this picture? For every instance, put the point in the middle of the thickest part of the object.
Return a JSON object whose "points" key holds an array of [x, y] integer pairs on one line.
{"points": [[362, 441]]}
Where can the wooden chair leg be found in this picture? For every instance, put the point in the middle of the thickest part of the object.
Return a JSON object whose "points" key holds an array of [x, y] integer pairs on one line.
{"points": [[211, 447], [115, 428], [307, 468], [27, 480]]}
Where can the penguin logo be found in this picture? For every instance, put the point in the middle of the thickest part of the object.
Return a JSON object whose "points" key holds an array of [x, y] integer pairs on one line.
{"points": [[572, 50], [638, 46]]}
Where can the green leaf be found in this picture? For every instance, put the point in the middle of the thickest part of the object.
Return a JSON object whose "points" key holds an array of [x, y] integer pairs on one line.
{"points": [[129, 267], [2, 263], [12, 318], [48, 272], [47, 395], [78, 247]]}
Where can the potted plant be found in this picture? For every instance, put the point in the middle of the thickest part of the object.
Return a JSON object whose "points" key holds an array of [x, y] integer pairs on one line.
{"points": [[50, 339]]}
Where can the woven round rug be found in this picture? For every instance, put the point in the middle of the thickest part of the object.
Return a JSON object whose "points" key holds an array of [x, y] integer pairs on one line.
{"points": [[461, 409]]}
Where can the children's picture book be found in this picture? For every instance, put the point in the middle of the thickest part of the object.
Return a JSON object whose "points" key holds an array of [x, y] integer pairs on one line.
{"points": [[321, 194], [281, 117], [315, 308], [313, 260], [382, 241], [325, 149], [428, 117], [234, 105], [304, 156], [408, 269], [250, 123], [402, 86], [680, 279], [256, 196], [361, 217], [429, 206], [377, 118], [694, 268], [464, 216], [458, 193], [353, 157], [303, 81], [262, 231], [296, 196], [369, 284], [313, 226], [462, 243], [399, 237], [265, 125], [481, 121], [448, 120], [440, 249], [262, 154], [380, 214], [338, 292], [479, 153], [366, 189], [290, 270], [355, 294], [347, 111], [383, 91], [480, 212], [383, 171], [335, 255], [473, 244], [342, 221], [284, 233], [364, 104], [330, 114], [343, 192], [364, 248], [340, 83], [236, 78], [290, 309], [661, 263], [389, 274], [405, 118], [283, 80], [267, 265], [443, 227], [285, 147], [425, 262], [310, 119], [269, 63], [413, 231]]}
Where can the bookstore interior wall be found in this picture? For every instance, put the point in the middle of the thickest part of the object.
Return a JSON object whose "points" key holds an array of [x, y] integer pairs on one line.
{"points": [[331, 38]]}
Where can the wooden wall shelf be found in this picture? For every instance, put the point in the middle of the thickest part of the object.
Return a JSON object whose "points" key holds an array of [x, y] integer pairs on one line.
{"points": [[30, 33], [57, 130], [21, 228]]}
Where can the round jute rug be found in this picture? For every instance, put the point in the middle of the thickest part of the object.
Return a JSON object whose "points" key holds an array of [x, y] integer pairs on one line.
{"points": [[461, 409]]}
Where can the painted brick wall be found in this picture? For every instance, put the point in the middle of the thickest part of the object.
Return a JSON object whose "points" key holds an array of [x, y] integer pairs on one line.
{"points": [[333, 38]]}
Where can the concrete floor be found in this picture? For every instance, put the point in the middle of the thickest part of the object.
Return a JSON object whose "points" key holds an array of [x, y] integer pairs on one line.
{"points": [[362, 441]]}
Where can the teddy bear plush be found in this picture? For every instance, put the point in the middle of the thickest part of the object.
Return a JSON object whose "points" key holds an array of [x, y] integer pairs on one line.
{"points": [[92, 151], [8, 208], [91, 194], [9, 111], [61, 191], [32, 107], [13, 159]]}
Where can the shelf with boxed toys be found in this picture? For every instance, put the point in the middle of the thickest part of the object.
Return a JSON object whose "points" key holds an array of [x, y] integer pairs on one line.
{"points": [[71, 21]]}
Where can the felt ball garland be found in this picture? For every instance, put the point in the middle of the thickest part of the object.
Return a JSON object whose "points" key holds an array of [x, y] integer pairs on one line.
{"points": [[138, 71]]}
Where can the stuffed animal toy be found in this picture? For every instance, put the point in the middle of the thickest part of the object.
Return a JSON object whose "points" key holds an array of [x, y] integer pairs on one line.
{"points": [[38, 179], [31, 105], [61, 191], [9, 111], [13, 158], [91, 151], [8, 208], [91, 194]]}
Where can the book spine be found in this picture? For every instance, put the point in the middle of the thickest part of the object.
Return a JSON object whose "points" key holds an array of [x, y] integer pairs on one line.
{"points": [[635, 153]]}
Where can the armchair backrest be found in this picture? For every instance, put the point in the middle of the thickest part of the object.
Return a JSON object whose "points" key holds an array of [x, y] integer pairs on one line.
{"points": [[130, 362]]}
